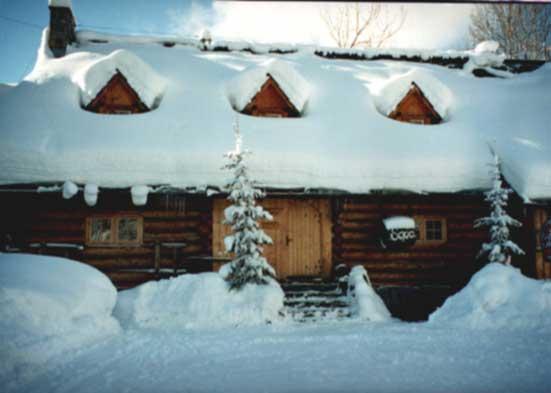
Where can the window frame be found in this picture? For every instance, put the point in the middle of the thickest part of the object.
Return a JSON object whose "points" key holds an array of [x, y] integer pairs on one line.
{"points": [[115, 241], [421, 222]]}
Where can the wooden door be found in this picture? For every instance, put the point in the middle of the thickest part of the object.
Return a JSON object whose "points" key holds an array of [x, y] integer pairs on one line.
{"points": [[300, 231]]}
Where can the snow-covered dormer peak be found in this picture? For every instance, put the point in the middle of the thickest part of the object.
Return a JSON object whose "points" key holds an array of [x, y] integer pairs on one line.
{"points": [[142, 78], [242, 89], [395, 89]]}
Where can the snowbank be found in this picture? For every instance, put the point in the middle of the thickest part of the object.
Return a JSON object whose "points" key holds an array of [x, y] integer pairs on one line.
{"points": [[197, 301], [144, 80], [242, 89], [364, 301], [498, 296], [50, 305]]}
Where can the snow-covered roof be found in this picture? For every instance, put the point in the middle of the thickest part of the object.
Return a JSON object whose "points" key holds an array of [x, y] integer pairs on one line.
{"points": [[60, 3], [341, 142], [242, 89], [92, 77], [393, 90]]}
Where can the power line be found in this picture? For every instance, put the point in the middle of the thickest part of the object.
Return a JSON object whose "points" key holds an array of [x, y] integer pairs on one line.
{"points": [[22, 22]]}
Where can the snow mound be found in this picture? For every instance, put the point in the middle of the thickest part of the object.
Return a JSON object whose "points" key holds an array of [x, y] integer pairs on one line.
{"points": [[364, 301], [50, 305], [69, 190], [487, 46], [139, 195], [91, 194], [389, 95], [143, 79], [242, 89], [198, 301], [498, 296]]}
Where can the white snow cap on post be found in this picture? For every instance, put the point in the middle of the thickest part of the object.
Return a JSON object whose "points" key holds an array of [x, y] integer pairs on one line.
{"points": [[60, 3], [242, 89], [69, 189], [91, 194], [139, 195], [144, 80], [392, 92]]}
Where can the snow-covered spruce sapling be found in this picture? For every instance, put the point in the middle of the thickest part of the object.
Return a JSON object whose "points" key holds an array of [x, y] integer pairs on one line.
{"points": [[500, 247], [247, 238]]}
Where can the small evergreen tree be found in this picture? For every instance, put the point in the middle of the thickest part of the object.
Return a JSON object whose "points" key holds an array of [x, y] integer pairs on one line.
{"points": [[500, 248], [247, 238]]}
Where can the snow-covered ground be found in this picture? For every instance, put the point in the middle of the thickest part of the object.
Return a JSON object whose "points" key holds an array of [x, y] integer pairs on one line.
{"points": [[467, 346], [336, 357]]}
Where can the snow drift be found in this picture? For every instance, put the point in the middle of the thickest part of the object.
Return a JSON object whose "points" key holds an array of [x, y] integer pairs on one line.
{"points": [[198, 301], [364, 301], [498, 296], [50, 305]]}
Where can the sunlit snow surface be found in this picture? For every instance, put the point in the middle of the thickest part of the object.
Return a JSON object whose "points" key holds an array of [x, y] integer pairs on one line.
{"points": [[342, 142]]}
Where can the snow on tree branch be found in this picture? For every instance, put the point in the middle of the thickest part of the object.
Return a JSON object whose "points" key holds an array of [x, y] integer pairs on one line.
{"points": [[247, 238], [500, 248]]}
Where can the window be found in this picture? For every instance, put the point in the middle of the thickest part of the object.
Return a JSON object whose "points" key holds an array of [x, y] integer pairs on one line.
{"points": [[432, 231], [121, 230]]}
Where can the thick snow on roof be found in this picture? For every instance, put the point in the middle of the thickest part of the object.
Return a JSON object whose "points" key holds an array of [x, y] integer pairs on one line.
{"points": [[143, 79], [395, 89], [242, 89], [342, 141], [60, 3]]}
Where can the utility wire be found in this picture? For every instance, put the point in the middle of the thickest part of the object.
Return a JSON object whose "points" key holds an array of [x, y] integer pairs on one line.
{"points": [[21, 22]]}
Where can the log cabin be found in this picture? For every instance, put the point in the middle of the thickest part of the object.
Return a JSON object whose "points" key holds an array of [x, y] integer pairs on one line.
{"points": [[341, 146]]}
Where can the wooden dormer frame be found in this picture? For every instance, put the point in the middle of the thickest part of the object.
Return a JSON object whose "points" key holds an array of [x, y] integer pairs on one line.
{"points": [[97, 105], [289, 111], [431, 117]]}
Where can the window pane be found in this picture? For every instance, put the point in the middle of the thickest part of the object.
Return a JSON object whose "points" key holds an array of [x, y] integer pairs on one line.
{"points": [[128, 229], [101, 230], [433, 230]]}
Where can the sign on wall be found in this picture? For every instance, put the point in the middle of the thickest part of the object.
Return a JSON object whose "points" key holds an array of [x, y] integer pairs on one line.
{"points": [[545, 240], [398, 233]]}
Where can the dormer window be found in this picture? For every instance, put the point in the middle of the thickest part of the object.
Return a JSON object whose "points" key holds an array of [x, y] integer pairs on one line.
{"points": [[117, 97], [416, 97], [415, 108], [275, 89], [271, 101], [120, 84]]}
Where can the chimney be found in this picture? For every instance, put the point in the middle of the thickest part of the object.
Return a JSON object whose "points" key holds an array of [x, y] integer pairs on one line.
{"points": [[62, 26]]}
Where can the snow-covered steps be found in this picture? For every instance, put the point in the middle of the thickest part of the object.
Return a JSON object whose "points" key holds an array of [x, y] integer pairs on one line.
{"points": [[314, 300]]}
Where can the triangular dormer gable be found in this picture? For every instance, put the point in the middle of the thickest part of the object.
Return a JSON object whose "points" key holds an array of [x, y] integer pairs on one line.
{"points": [[119, 83], [117, 97], [273, 89], [415, 107], [271, 101]]}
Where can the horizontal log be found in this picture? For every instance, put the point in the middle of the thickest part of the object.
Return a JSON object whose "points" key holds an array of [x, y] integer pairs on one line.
{"points": [[172, 237], [54, 238], [56, 226]]}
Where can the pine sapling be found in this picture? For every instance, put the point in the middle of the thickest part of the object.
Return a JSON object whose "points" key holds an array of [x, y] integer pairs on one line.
{"points": [[247, 238], [500, 248]]}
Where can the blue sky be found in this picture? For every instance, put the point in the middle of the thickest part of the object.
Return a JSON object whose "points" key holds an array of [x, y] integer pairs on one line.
{"points": [[230, 20]]}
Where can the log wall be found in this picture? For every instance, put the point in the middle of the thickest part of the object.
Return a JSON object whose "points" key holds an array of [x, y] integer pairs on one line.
{"points": [[538, 217], [47, 218], [355, 239]]}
